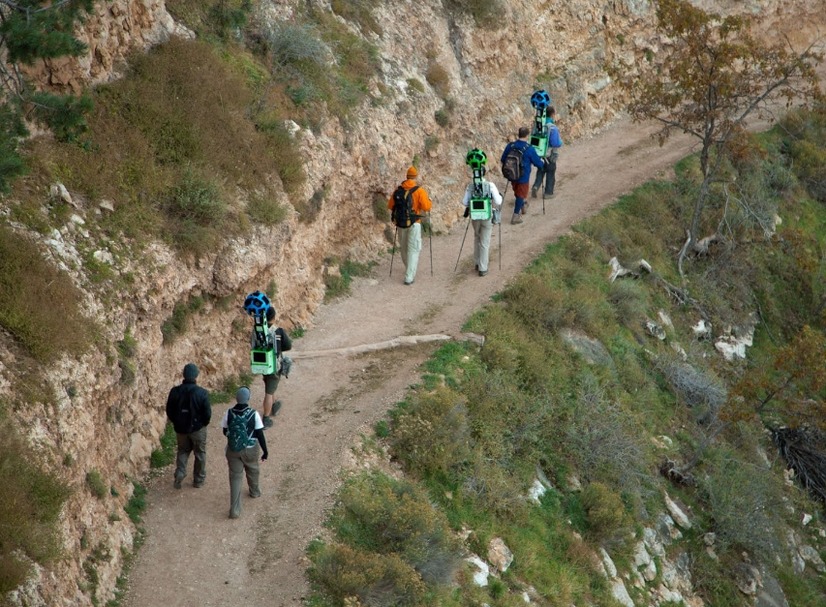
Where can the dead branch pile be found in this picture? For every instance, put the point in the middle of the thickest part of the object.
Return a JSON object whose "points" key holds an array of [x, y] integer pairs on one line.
{"points": [[803, 450]]}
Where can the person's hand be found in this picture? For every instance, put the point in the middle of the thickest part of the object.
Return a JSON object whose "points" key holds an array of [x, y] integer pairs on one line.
{"points": [[467, 212], [265, 456]]}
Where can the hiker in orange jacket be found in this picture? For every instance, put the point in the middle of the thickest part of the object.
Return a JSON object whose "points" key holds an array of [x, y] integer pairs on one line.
{"points": [[408, 205]]}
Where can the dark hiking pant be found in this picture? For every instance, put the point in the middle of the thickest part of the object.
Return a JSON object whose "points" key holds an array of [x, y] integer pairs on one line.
{"points": [[187, 443], [241, 462]]}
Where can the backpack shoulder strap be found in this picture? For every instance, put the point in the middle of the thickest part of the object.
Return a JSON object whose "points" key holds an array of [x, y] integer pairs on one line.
{"points": [[411, 190]]}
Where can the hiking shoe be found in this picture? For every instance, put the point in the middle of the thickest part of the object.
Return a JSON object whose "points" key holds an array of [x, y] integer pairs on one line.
{"points": [[533, 192], [177, 483], [516, 219], [267, 421], [483, 272], [408, 283], [276, 407], [198, 485]]}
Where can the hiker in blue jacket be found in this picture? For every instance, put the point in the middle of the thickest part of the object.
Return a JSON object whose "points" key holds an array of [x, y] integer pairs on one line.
{"points": [[521, 180], [551, 155]]}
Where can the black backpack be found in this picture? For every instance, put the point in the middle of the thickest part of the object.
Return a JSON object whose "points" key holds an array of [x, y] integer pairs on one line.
{"points": [[512, 165], [402, 214]]}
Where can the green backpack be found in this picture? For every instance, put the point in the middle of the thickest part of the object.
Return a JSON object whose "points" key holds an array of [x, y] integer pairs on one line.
{"points": [[238, 434]]}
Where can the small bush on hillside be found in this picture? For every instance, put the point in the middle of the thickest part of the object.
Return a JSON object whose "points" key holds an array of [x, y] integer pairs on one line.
{"points": [[389, 517], [378, 580], [265, 210], [601, 438], [137, 503], [745, 501], [96, 484], [165, 455], [605, 512], [30, 289], [30, 513], [695, 387], [432, 433], [179, 321], [438, 77], [360, 12], [486, 13]]}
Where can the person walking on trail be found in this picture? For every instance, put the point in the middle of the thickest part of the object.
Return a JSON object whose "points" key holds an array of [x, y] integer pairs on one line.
{"points": [[188, 408], [246, 444], [408, 205], [281, 342], [522, 153], [480, 189], [551, 156]]}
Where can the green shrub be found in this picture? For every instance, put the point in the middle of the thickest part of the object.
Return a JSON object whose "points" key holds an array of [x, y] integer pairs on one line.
{"points": [[179, 321], [360, 12], [29, 288], [377, 580], [96, 484], [137, 503], [378, 514], [438, 77], [486, 13], [734, 486], [432, 433], [265, 210], [165, 455], [605, 512], [29, 514]]}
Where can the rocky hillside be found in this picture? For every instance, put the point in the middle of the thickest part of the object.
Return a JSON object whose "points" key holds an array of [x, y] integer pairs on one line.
{"points": [[102, 423]]}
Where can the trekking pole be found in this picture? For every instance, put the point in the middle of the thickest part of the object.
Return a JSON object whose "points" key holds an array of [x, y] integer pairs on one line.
{"points": [[543, 200], [500, 239], [463, 245], [393, 254], [430, 230]]}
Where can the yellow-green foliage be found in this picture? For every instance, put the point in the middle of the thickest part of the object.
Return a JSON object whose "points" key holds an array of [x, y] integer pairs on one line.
{"points": [[432, 433], [379, 514], [380, 580], [39, 304], [605, 511], [171, 171], [30, 505], [569, 382]]}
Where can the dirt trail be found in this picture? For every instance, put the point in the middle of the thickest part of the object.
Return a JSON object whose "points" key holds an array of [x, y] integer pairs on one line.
{"points": [[194, 556]]}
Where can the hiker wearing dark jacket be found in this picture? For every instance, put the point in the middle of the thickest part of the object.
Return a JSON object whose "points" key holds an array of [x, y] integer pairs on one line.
{"points": [[243, 458], [529, 157], [410, 237], [188, 408]]}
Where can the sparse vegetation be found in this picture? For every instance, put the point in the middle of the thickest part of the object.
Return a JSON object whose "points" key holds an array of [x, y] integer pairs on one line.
{"points": [[165, 455], [29, 287], [29, 514], [338, 284], [485, 422]]}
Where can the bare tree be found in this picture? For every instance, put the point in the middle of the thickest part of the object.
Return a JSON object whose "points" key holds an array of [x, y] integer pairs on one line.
{"points": [[715, 75]]}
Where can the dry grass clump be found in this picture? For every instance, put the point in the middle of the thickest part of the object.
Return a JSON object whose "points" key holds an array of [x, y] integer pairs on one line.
{"points": [[30, 288], [29, 513]]}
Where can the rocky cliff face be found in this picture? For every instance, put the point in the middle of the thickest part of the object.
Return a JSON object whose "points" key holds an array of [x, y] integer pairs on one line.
{"points": [[104, 421]]}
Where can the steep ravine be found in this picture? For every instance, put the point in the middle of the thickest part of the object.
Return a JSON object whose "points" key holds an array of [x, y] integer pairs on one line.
{"points": [[104, 424]]}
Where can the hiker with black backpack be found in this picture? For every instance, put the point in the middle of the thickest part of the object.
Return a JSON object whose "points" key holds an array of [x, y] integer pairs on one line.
{"points": [[188, 408], [408, 205], [246, 444], [517, 159]]}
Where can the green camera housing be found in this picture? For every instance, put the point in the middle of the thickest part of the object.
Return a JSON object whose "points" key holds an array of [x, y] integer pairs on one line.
{"points": [[480, 207], [263, 362]]}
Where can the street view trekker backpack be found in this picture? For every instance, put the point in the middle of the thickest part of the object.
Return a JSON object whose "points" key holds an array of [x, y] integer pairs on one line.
{"points": [[512, 165], [479, 203], [238, 437], [402, 214]]}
